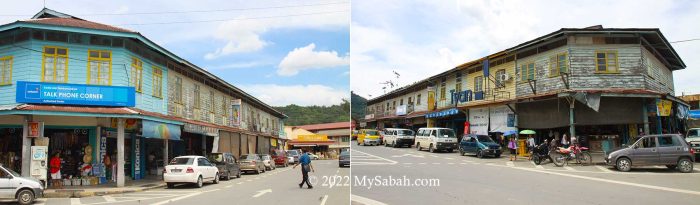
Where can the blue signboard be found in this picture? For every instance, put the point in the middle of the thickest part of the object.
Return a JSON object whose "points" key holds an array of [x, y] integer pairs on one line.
{"points": [[75, 94]]}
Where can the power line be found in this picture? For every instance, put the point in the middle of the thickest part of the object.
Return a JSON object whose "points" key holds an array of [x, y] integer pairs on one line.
{"points": [[198, 11], [234, 19], [681, 41]]}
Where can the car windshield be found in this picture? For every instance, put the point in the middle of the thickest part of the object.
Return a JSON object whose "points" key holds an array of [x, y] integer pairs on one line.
{"points": [[484, 138], [292, 153], [12, 172], [694, 133], [266, 157], [404, 132], [182, 161], [247, 157], [448, 132], [216, 158], [371, 132], [345, 154]]}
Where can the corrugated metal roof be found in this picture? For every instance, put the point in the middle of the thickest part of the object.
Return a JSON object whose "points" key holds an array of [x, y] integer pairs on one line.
{"points": [[78, 23]]}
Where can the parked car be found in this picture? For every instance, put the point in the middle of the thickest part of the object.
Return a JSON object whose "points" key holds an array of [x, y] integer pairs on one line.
{"points": [[368, 137], [313, 156], [667, 149], [227, 165], [252, 163], [294, 154], [399, 137], [280, 158], [190, 169], [693, 138], [435, 139], [14, 186], [290, 159], [268, 162], [344, 159], [480, 145]]}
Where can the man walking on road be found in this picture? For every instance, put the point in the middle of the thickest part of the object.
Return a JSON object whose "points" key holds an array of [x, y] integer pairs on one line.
{"points": [[306, 166]]}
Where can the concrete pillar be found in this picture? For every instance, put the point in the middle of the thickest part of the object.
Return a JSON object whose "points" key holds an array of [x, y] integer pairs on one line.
{"points": [[204, 145], [572, 126], [26, 147], [645, 117], [165, 153], [120, 152]]}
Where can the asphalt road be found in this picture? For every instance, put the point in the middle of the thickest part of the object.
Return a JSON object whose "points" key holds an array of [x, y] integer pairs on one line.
{"points": [[470, 180], [279, 186]]}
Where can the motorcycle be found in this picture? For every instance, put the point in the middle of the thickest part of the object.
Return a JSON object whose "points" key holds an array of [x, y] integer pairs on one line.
{"points": [[541, 153], [562, 156]]}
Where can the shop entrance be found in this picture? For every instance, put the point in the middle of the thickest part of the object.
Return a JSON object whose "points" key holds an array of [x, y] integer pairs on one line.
{"points": [[70, 143], [11, 148]]}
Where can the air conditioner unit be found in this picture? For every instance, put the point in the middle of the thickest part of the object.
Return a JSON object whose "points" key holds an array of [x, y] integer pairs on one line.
{"points": [[504, 77]]}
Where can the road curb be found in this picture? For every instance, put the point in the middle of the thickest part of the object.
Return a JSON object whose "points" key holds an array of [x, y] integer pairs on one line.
{"points": [[80, 193]]}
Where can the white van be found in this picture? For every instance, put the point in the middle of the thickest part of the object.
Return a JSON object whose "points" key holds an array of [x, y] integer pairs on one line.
{"points": [[13, 186], [396, 137], [435, 138]]}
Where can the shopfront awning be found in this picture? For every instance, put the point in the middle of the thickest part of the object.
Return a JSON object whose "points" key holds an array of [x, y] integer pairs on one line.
{"points": [[201, 129], [308, 143], [694, 114], [443, 113], [159, 130]]}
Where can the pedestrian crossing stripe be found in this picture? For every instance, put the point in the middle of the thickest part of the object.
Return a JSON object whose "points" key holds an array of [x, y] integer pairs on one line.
{"points": [[569, 168]]}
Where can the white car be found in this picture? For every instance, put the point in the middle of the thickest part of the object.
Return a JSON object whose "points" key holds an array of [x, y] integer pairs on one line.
{"points": [[435, 138], [14, 186], [191, 170], [395, 137]]}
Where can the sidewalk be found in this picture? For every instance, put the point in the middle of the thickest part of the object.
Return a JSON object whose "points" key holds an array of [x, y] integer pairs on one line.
{"points": [[104, 189]]}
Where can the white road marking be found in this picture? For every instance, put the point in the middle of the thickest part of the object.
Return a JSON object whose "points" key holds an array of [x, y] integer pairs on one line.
{"points": [[423, 163], [436, 163], [75, 201], [408, 163], [616, 182], [569, 168], [450, 163], [184, 197], [467, 160], [697, 169], [604, 169], [239, 183], [409, 155], [229, 186], [250, 180], [323, 202], [366, 201], [510, 164], [108, 198], [449, 158], [462, 163], [262, 192]]}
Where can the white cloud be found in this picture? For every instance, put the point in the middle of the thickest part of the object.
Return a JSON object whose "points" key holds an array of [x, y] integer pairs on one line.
{"points": [[305, 58], [281, 95], [422, 38], [243, 36]]}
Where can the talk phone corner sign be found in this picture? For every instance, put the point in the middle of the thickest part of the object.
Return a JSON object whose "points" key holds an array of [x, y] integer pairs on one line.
{"points": [[75, 94]]}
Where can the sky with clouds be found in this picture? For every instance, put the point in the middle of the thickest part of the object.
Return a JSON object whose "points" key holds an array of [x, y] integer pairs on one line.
{"points": [[418, 39], [283, 52]]}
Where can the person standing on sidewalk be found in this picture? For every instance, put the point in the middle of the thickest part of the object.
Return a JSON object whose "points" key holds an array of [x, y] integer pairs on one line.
{"points": [[530, 146], [55, 165], [306, 166], [513, 146]]}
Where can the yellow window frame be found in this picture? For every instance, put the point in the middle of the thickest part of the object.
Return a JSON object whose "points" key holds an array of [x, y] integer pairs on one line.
{"points": [[137, 64], [157, 77], [54, 55], [478, 83], [607, 65], [100, 58], [443, 93], [7, 65], [525, 72], [178, 90], [556, 64]]}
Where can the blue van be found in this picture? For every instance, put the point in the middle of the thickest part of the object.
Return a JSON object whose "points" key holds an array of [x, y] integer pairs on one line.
{"points": [[480, 145]]}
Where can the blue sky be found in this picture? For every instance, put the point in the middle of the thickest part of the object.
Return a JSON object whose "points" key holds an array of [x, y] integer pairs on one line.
{"points": [[421, 38], [279, 51]]}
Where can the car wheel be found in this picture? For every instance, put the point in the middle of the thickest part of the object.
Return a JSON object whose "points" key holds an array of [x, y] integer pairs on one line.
{"points": [[25, 197], [430, 149], [170, 185], [239, 174], [685, 165], [200, 183], [461, 152], [216, 178], [418, 147], [624, 164], [479, 154], [536, 159], [228, 176]]}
